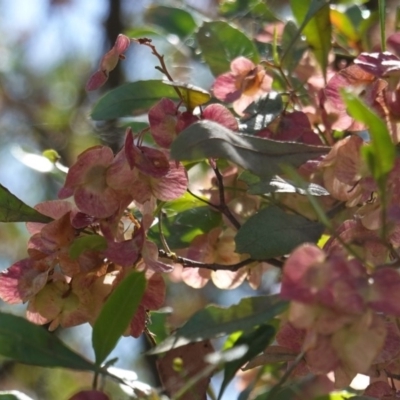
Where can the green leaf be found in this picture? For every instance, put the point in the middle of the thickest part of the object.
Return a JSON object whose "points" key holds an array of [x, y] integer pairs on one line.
{"points": [[132, 98], [185, 202], [381, 153], [173, 20], [314, 20], [272, 233], [342, 395], [344, 25], [116, 314], [263, 157], [12, 209], [144, 31], [220, 43], [262, 112], [292, 41], [214, 321], [192, 96], [89, 242], [181, 228], [254, 9], [382, 22], [158, 325], [255, 342], [31, 344]]}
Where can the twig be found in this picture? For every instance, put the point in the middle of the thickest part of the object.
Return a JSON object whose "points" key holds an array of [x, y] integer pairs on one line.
{"points": [[222, 207], [201, 199], [207, 371], [163, 68], [188, 263], [274, 391], [162, 237]]}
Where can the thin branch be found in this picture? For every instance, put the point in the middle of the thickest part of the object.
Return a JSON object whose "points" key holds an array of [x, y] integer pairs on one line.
{"points": [[161, 232], [274, 391], [188, 263], [162, 68], [201, 199], [222, 207]]}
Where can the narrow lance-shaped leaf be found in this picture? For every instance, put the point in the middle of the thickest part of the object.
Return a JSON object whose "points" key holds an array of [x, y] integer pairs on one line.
{"points": [[263, 157], [116, 314], [12, 209], [255, 342], [272, 233], [381, 153], [31, 344], [313, 15], [214, 321]]}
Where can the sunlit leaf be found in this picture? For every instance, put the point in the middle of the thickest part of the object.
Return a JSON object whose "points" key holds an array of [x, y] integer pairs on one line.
{"points": [[280, 185], [193, 96], [262, 112], [343, 395], [313, 18], [131, 99], [343, 24], [382, 22], [381, 153], [12, 209], [185, 202], [144, 31], [31, 344], [220, 43], [291, 39], [180, 229], [173, 20], [263, 157], [214, 321], [272, 233], [116, 314]]}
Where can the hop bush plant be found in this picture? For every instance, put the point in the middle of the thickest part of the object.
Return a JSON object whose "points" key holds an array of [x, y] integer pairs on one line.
{"points": [[287, 162]]}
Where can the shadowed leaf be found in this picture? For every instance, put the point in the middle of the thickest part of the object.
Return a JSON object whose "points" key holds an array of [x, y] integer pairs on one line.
{"points": [[89, 242], [272, 233], [178, 366], [255, 342], [263, 157], [214, 321], [313, 15], [12, 209], [31, 344]]}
